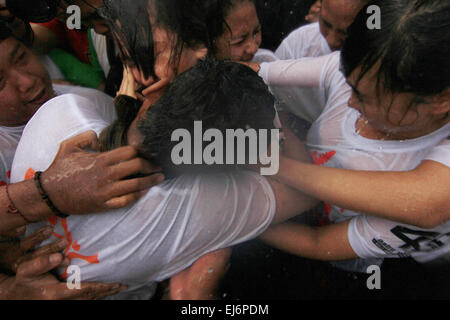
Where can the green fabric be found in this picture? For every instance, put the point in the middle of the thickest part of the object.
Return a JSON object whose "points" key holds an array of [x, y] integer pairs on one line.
{"points": [[75, 71], [94, 58]]}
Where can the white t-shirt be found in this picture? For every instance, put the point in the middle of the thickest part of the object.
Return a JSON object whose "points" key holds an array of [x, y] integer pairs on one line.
{"points": [[51, 67], [10, 136], [333, 142], [264, 55], [99, 43], [306, 41], [166, 231]]}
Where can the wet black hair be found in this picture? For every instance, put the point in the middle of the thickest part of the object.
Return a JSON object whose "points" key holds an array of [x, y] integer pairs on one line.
{"points": [[33, 10], [129, 23], [194, 23], [227, 5], [413, 46], [5, 32], [222, 94]]}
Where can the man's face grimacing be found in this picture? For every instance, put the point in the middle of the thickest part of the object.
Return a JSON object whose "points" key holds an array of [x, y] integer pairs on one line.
{"points": [[89, 15], [335, 17], [24, 83]]}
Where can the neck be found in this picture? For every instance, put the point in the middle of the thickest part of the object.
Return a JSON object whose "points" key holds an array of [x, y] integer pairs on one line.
{"points": [[366, 130]]}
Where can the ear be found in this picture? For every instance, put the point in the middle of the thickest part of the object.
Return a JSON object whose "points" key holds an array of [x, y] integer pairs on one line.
{"points": [[440, 103]]}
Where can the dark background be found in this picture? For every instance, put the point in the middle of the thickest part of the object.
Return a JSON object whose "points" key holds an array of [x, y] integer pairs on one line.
{"points": [[279, 17]]}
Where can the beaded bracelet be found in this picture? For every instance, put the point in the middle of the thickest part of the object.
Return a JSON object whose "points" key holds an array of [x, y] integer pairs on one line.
{"points": [[45, 197], [12, 207]]}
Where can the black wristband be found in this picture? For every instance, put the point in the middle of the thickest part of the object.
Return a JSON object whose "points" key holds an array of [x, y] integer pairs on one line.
{"points": [[45, 197]]}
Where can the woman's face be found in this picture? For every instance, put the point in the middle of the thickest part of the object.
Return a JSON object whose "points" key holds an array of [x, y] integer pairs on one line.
{"points": [[242, 40], [165, 67], [396, 116]]}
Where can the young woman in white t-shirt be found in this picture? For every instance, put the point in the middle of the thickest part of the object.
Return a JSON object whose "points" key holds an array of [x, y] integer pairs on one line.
{"points": [[380, 143]]}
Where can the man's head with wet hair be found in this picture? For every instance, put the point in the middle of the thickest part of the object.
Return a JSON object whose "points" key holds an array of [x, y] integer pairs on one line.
{"points": [[221, 94]]}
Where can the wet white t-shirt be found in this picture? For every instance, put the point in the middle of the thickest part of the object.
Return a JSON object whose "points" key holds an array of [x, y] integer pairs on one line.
{"points": [[304, 42], [166, 231], [333, 142], [10, 136]]}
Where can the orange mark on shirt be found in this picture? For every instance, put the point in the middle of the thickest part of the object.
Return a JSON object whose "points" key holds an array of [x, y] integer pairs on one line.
{"points": [[29, 174], [320, 159], [73, 245], [67, 235]]}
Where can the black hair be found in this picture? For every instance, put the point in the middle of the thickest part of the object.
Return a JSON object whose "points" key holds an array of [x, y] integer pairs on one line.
{"points": [[194, 23], [130, 25], [5, 32], [223, 95], [227, 5], [413, 46]]}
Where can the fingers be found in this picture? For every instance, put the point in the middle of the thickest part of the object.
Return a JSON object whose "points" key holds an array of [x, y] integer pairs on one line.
{"points": [[140, 97], [85, 140], [38, 266], [47, 250], [54, 247], [118, 155], [30, 242], [127, 86], [15, 233], [122, 85], [133, 167], [132, 190], [94, 291], [156, 87]]}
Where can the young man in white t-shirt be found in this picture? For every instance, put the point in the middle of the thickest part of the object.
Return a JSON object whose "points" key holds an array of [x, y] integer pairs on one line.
{"points": [[314, 40], [24, 87], [185, 217]]}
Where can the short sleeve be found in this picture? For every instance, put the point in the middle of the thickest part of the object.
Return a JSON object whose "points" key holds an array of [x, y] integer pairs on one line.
{"points": [[441, 153], [59, 119], [372, 237]]}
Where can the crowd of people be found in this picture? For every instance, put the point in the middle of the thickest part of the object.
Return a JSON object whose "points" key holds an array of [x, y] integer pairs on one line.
{"points": [[86, 141]]}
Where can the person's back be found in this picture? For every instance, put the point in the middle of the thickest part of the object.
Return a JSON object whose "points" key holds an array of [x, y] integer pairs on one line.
{"points": [[169, 228]]}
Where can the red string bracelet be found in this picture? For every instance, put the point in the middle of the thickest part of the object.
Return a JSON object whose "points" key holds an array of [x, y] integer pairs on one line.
{"points": [[12, 207]]}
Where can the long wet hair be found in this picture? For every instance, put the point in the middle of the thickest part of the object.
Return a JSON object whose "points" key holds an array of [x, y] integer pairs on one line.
{"points": [[130, 26], [193, 22], [5, 32], [413, 46]]}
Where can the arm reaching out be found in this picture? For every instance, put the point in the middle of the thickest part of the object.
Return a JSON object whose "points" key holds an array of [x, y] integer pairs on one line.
{"points": [[200, 281], [79, 182], [418, 197], [323, 243]]}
